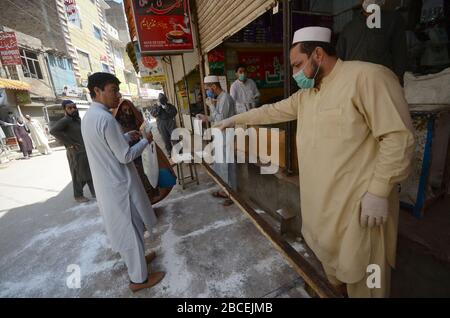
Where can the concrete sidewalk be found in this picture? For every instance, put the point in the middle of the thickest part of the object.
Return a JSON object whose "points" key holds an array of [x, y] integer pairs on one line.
{"points": [[207, 250]]}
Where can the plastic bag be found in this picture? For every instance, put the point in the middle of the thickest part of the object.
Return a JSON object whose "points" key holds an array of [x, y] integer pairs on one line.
{"points": [[150, 159]]}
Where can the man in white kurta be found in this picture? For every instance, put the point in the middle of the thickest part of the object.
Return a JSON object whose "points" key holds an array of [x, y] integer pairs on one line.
{"points": [[40, 141], [244, 91], [123, 202], [354, 144], [221, 106]]}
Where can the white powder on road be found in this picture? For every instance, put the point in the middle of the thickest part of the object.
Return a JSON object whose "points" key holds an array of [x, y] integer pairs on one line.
{"points": [[34, 279]]}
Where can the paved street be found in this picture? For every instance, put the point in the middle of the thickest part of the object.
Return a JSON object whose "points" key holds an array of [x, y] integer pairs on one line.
{"points": [[207, 250]]}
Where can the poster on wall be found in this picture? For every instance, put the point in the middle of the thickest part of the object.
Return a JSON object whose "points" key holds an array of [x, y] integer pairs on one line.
{"points": [[72, 13], [150, 68], [265, 68], [216, 61], [9, 50], [163, 26]]}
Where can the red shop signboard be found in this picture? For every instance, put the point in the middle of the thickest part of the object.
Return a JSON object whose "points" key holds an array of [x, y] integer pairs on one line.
{"points": [[163, 26], [9, 50], [265, 68]]}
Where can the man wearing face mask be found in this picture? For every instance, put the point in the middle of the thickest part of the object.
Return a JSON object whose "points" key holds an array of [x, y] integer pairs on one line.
{"points": [[165, 114], [221, 106], [351, 157], [385, 45], [68, 131], [244, 91]]}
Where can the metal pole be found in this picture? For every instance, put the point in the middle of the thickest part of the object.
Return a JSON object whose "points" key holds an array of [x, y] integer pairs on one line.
{"points": [[186, 85], [175, 91], [287, 36], [201, 62]]}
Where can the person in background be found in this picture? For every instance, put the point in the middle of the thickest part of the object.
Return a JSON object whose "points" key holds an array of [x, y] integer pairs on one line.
{"points": [[38, 136], [21, 131], [386, 45], [131, 119], [2, 133], [198, 107], [221, 106], [10, 119], [165, 114], [68, 131], [244, 91]]}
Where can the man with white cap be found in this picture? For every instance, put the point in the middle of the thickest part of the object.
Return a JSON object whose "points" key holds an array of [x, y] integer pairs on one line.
{"points": [[354, 144], [244, 91], [385, 45], [221, 106]]}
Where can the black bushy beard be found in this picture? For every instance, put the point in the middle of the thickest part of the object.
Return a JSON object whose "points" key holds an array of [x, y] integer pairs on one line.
{"points": [[75, 115]]}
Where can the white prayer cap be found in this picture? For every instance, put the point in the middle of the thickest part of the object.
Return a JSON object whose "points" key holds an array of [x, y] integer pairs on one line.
{"points": [[312, 34], [211, 79]]}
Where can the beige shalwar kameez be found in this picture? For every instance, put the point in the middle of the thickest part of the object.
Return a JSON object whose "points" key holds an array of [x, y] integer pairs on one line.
{"points": [[354, 136]]}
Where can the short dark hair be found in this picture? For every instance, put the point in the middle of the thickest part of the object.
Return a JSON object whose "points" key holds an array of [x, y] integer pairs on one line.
{"points": [[241, 66], [100, 80], [309, 47]]}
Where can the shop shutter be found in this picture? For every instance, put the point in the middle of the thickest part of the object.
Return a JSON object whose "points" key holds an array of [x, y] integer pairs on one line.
{"points": [[218, 20]]}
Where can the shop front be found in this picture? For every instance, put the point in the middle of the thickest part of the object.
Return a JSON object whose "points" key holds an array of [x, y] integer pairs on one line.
{"points": [[259, 35], [263, 44], [12, 92]]}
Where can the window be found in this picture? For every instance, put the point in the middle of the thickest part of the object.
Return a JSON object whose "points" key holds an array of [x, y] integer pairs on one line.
{"points": [[70, 65], [61, 63], [73, 14], [97, 33], [30, 64], [51, 60], [105, 68], [85, 62]]}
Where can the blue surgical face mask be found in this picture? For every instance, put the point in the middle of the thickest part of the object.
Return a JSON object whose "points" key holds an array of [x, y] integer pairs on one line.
{"points": [[242, 77], [210, 94], [303, 81]]}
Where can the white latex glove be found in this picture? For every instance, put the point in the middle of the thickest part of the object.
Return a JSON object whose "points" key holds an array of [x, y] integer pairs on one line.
{"points": [[374, 210], [226, 123]]}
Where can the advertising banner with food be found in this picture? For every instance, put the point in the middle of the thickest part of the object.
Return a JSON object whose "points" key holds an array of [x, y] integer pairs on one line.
{"points": [[163, 26]]}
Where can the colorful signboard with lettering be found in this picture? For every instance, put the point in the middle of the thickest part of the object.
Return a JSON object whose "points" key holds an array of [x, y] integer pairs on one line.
{"points": [[163, 26], [9, 50], [150, 68], [265, 68]]}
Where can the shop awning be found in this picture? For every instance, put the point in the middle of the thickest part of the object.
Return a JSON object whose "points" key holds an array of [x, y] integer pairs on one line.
{"points": [[13, 84], [218, 20]]}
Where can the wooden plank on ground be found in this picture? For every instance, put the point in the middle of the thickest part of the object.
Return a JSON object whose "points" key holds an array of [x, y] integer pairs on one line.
{"points": [[309, 274]]}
